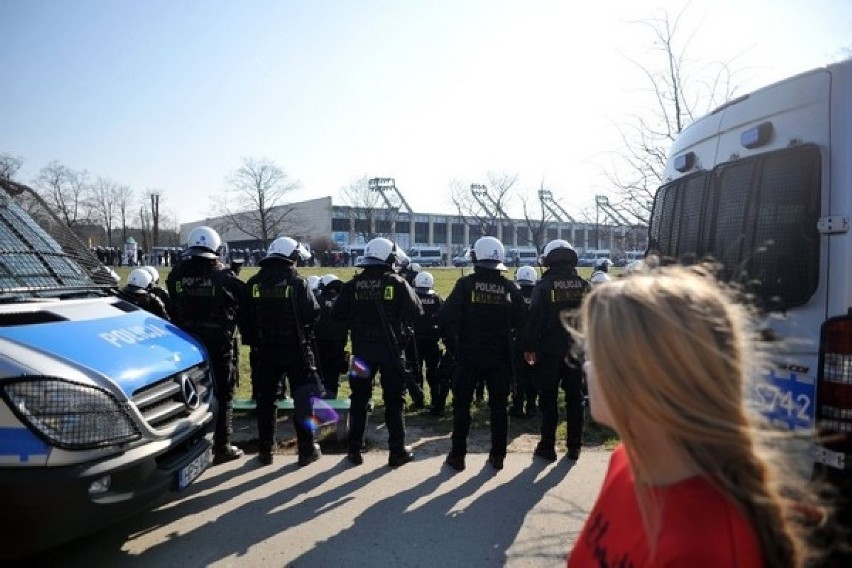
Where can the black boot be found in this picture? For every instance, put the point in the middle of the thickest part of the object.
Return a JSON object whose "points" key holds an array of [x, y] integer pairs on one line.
{"points": [[545, 450], [309, 455], [226, 453], [456, 461], [354, 456], [398, 458]]}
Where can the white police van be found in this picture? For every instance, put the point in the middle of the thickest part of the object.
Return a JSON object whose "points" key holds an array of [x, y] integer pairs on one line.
{"points": [[426, 256], [523, 256], [104, 408], [764, 186]]}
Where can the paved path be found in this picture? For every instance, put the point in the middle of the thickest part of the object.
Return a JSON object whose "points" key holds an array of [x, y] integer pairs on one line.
{"points": [[332, 514]]}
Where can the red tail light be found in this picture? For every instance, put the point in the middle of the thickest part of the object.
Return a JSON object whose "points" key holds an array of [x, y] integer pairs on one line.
{"points": [[834, 384]]}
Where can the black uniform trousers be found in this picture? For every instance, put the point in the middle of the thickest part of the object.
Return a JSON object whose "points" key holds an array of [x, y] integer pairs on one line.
{"points": [[331, 356], [525, 389], [274, 362], [553, 372], [430, 353], [393, 393], [220, 350], [496, 374]]}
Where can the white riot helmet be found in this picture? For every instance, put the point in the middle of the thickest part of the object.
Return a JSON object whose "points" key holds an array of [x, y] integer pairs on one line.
{"points": [[139, 280], [488, 252], [424, 280], [559, 251], [287, 249], [415, 267], [328, 279], [204, 242], [603, 264], [155, 274], [635, 266], [599, 277], [313, 282], [526, 276], [380, 251]]}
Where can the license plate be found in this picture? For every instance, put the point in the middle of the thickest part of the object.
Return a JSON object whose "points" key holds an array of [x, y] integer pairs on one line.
{"points": [[193, 469], [829, 458]]}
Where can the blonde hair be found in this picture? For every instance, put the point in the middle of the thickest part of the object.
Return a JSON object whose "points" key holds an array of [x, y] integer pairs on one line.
{"points": [[672, 345]]}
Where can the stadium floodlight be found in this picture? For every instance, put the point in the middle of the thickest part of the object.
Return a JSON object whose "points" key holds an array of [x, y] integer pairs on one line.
{"points": [[478, 189], [378, 184]]}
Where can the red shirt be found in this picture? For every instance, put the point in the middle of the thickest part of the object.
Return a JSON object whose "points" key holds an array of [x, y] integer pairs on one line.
{"points": [[699, 526]]}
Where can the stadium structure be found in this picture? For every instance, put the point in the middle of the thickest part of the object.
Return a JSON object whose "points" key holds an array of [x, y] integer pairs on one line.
{"points": [[347, 226]]}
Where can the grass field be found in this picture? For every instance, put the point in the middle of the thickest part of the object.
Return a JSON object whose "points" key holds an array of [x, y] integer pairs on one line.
{"points": [[445, 279]]}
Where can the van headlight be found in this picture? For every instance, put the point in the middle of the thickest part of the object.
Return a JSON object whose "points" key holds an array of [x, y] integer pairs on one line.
{"points": [[70, 415]]}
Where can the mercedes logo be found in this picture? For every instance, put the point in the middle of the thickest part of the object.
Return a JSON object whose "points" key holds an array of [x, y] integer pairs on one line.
{"points": [[189, 392]]}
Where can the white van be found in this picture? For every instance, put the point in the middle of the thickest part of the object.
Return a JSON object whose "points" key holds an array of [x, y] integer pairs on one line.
{"points": [[764, 186], [426, 256], [522, 256], [589, 257]]}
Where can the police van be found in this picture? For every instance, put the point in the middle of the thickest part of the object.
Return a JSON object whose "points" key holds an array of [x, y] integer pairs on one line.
{"points": [[426, 256], [523, 256], [763, 185], [104, 408]]}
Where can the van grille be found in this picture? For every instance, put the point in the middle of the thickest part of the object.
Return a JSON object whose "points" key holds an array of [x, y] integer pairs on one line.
{"points": [[171, 400]]}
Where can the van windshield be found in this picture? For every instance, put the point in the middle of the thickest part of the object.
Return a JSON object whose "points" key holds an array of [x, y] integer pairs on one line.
{"points": [[41, 256], [757, 217]]}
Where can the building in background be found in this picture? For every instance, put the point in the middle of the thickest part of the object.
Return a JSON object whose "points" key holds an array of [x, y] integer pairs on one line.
{"points": [[319, 220]]}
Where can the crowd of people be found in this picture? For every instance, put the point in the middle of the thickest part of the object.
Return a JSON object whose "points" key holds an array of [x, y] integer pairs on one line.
{"points": [[399, 327], [674, 394]]}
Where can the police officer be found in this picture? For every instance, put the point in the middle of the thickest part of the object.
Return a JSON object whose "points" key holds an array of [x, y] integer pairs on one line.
{"points": [[207, 299], [158, 290], [480, 314], [601, 273], [313, 284], [409, 271], [138, 292], [331, 335], [237, 265], [427, 335], [547, 345], [281, 315], [525, 389], [378, 306]]}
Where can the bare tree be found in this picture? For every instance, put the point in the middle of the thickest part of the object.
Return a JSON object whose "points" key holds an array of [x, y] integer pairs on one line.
{"points": [[322, 243], [149, 218], [483, 206], [64, 190], [169, 229], [154, 198], [143, 220], [370, 213], [255, 201], [103, 203], [679, 91], [124, 200], [9, 166]]}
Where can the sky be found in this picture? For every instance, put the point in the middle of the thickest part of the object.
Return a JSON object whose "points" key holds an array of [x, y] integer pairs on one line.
{"points": [[172, 95]]}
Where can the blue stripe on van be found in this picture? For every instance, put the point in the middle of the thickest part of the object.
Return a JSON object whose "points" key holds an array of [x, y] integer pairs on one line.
{"points": [[22, 443], [133, 349]]}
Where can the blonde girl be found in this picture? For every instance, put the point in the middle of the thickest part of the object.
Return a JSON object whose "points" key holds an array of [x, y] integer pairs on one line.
{"points": [[669, 357]]}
